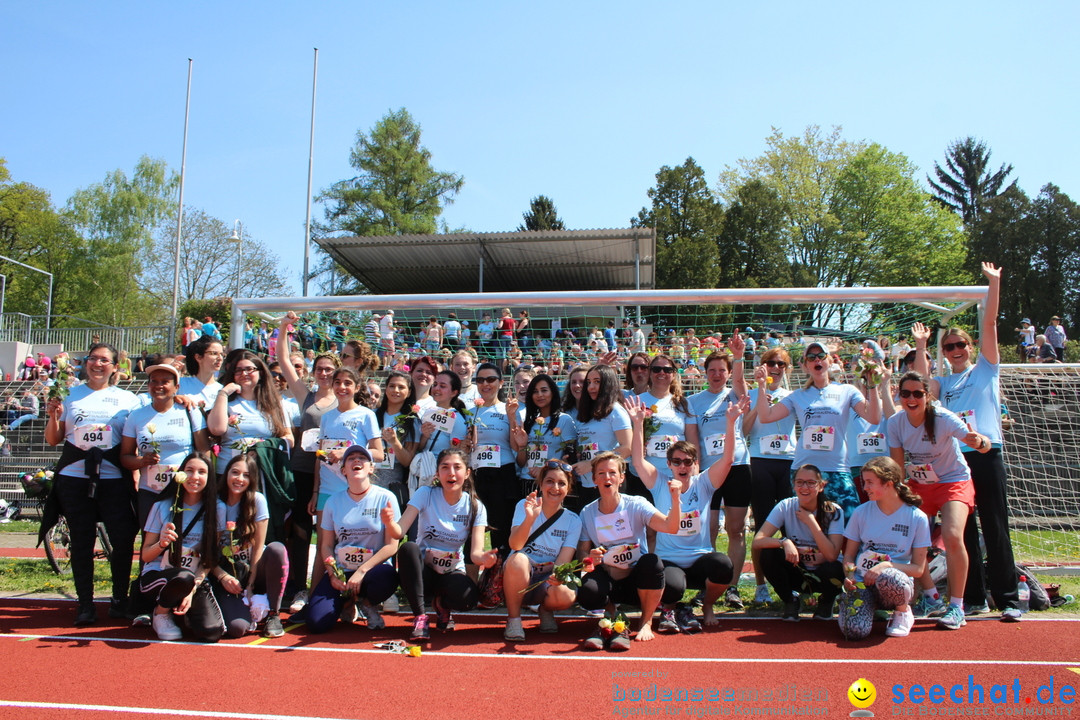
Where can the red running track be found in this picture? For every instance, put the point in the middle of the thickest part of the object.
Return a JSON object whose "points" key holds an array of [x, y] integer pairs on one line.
{"points": [[760, 666]]}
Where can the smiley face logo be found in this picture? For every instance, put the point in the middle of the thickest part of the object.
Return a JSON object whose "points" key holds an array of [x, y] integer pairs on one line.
{"points": [[862, 693]]}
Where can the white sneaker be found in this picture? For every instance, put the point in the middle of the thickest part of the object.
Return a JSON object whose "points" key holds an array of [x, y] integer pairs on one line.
{"points": [[901, 623], [166, 627], [762, 594], [298, 602], [390, 605]]}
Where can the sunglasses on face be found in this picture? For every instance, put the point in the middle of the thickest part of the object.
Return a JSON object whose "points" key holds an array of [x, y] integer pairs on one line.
{"points": [[958, 345], [917, 394], [487, 379], [637, 367], [681, 462], [277, 376], [659, 370], [815, 356], [777, 363], [246, 370]]}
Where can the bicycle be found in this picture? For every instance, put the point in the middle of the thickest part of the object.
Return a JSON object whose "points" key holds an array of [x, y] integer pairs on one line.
{"points": [[58, 546]]}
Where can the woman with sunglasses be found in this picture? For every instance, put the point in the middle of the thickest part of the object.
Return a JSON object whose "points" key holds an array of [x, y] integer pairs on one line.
{"points": [[710, 407], [90, 482], [772, 448], [202, 360], [931, 437], [493, 458], [807, 552], [247, 409], [613, 534], [637, 374], [314, 403], [543, 535], [423, 371], [689, 556], [602, 426], [823, 409], [973, 392], [670, 412]]}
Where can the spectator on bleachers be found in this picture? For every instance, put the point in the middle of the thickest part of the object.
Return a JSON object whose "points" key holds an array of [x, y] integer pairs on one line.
{"points": [[27, 369], [27, 408]]}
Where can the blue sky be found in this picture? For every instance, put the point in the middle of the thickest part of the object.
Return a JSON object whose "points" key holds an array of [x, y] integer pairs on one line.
{"points": [[582, 102]]}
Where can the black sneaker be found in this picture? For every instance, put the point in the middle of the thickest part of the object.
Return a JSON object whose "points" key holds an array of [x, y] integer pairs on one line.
{"points": [[791, 611], [273, 628], [824, 610], [684, 617], [667, 624], [731, 597], [118, 608], [87, 615], [444, 619]]}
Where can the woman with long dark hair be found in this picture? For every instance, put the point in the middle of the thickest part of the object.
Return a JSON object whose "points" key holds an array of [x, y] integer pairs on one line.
{"points": [[247, 409], [602, 426], [398, 421]]}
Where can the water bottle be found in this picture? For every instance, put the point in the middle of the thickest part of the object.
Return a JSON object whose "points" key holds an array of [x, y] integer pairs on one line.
{"points": [[1023, 594]]}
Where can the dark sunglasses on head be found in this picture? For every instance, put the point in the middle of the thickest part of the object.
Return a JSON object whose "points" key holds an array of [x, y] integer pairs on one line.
{"points": [[565, 467], [815, 356], [917, 394], [681, 461], [658, 369], [958, 345], [776, 363]]}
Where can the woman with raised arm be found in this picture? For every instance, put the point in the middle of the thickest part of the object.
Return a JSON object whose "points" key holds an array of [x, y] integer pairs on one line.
{"points": [[613, 534], [689, 555], [884, 548], [823, 410], [973, 391], [806, 555], [91, 483]]}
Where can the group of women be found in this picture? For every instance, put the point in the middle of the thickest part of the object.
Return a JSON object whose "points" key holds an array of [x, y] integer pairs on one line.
{"points": [[403, 492]]}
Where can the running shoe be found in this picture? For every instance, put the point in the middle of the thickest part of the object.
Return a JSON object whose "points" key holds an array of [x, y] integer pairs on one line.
{"points": [[791, 611], [731, 597], [513, 632], [374, 619], [824, 610], [420, 629], [141, 621], [87, 614], [166, 627], [980, 609], [901, 623], [1011, 615], [667, 623], [391, 605], [619, 642], [762, 596], [953, 619], [272, 628], [298, 602], [349, 613], [926, 605], [548, 624], [684, 617], [598, 640], [118, 608], [444, 619]]}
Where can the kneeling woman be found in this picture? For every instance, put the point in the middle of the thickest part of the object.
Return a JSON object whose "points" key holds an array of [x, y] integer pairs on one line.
{"points": [[613, 534], [543, 534], [248, 565], [806, 554], [885, 547], [448, 514], [178, 554], [358, 534], [689, 556]]}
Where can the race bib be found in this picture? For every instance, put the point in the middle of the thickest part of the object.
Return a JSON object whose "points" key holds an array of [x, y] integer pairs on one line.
{"points": [[157, 477], [922, 474], [968, 416], [586, 452], [443, 420], [809, 556], [773, 444], [714, 444], [352, 557], [309, 440], [871, 443], [442, 561], [485, 456], [189, 559], [658, 445], [388, 460], [623, 556], [94, 435], [868, 560], [690, 523], [819, 437], [537, 454]]}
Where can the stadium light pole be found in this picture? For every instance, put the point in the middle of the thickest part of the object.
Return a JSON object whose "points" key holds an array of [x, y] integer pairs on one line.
{"points": [[238, 238], [180, 214]]}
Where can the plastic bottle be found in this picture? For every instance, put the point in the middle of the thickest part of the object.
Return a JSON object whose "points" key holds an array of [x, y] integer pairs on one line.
{"points": [[1023, 594]]}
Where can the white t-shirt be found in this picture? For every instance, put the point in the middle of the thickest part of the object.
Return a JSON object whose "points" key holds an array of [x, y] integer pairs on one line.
{"points": [[443, 528], [246, 425], [95, 418], [886, 536], [339, 431], [172, 433], [597, 436], [621, 533], [692, 540], [943, 455], [563, 533], [357, 524], [232, 513], [161, 514], [785, 518]]}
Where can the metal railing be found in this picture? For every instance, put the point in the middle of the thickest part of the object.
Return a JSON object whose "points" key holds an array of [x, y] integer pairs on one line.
{"points": [[35, 330]]}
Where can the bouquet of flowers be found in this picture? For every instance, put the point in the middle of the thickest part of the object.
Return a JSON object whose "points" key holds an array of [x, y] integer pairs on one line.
{"points": [[38, 483], [568, 574]]}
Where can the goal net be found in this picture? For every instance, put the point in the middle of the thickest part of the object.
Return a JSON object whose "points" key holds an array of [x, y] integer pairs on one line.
{"points": [[1041, 402]]}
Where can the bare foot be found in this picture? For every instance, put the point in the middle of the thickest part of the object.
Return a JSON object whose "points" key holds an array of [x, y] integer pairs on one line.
{"points": [[645, 634], [708, 617]]}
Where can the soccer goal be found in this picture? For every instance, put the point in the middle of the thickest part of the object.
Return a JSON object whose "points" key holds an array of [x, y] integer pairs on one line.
{"points": [[1041, 402]]}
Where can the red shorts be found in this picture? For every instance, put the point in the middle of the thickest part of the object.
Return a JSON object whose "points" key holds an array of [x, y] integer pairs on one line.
{"points": [[936, 495]]}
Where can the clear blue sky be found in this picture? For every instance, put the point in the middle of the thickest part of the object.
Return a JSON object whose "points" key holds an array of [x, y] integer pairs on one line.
{"points": [[580, 101]]}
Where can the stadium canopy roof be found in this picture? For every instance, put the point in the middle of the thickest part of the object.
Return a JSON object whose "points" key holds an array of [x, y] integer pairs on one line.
{"points": [[613, 259]]}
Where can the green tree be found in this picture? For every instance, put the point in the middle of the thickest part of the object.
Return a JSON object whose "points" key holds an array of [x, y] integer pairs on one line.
{"points": [[542, 215], [1055, 224], [965, 185], [1003, 234], [118, 218], [396, 190]]}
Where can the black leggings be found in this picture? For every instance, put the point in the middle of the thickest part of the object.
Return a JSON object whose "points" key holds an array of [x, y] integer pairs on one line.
{"points": [[454, 590], [771, 483], [499, 489], [713, 567], [788, 579], [270, 576], [598, 587], [301, 526], [991, 499], [169, 587]]}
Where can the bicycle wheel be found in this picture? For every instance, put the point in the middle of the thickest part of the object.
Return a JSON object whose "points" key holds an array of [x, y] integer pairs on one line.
{"points": [[103, 550], [58, 547]]}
